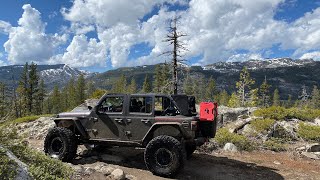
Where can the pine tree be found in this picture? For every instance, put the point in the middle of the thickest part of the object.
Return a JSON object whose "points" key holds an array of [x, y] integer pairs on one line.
{"points": [[40, 96], [80, 90], [56, 100], [223, 98], [253, 101], [304, 97], [188, 85], [276, 98], [32, 90], [315, 98], [158, 79], [234, 101], [3, 100], [146, 87], [120, 86], [199, 89], [132, 88], [90, 88], [264, 93], [289, 101], [166, 81], [22, 90], [71, 94], [211, 90], [244, 85]]}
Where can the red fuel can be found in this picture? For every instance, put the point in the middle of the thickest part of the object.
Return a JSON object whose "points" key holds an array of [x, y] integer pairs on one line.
{"points": [[208, 111]]}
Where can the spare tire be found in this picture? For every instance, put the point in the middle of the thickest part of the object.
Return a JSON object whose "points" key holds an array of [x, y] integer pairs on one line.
{"points": [[164, 156], [60, 143]]}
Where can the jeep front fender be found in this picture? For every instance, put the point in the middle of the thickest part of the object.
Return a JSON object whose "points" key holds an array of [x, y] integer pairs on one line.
{"points": [[68, 122]]}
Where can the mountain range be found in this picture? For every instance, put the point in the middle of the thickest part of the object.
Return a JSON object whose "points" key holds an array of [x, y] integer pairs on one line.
{"points": [[286, 74]]}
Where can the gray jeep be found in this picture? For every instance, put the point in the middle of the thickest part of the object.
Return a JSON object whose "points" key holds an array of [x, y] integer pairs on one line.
{"points": [[168, 127]]}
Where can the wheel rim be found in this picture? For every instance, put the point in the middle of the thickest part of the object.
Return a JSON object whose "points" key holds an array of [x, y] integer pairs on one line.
{"points": [[163, 157], [56, 146]]}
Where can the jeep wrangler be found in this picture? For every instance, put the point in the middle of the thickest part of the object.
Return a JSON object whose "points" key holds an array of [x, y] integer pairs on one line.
{"points": [[168, 127]]}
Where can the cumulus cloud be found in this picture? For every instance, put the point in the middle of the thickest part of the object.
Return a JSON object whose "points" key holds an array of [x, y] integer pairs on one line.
{"points": [[5, 27], [82, 53], [217, 31], [311, 55], [28, 41]]}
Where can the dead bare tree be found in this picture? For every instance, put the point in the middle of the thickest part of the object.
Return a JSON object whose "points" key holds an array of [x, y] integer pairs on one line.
{"points": [[173, 37]]}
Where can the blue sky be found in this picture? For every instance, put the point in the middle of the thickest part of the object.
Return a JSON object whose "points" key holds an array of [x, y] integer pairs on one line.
{"points": [[98, 35]]}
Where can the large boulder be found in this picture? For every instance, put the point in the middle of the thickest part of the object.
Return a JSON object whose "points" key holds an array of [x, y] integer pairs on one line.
{"points": [[285, 129], [230, 147], [118, 174], [232, 114]]}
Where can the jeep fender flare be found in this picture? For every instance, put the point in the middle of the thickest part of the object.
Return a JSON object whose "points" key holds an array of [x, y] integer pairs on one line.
{"points": [[177, 126], [68, 122]]}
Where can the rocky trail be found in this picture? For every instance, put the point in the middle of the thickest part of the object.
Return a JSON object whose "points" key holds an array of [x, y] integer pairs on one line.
{"points": [[128, 163]]}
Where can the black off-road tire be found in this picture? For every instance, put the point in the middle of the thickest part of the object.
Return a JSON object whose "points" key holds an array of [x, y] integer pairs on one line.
{"points": [[61, 143], [164, 156], [190, 148]]}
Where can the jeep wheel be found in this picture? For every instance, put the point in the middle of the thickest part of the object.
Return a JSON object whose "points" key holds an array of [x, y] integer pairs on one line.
{"points": [[164, 156], [60, 143]]}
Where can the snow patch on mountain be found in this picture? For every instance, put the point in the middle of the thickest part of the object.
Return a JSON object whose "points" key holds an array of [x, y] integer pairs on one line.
{"points": [[226, 67]]}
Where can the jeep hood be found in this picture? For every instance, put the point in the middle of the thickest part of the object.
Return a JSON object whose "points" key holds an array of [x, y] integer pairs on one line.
{"points": [[81, 114]]}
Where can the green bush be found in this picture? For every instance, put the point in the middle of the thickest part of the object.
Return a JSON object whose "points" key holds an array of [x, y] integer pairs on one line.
{"points": [[7, 166], [309, 132], [262, 125], [25, 119], [223, 136], [40, 165], [273, 112], [281, 113], [274, 144], [304, 114]]}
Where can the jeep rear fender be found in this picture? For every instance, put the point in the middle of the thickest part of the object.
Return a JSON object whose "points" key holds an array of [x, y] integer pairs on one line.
{"points": [[166, 128], [71, 122]]}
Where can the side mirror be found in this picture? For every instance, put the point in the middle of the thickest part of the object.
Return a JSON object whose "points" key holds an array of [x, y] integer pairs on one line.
{"points": [[90, 108]]}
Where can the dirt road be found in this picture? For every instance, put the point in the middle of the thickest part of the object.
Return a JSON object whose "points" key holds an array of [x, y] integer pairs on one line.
{"points": [[220, 165]]}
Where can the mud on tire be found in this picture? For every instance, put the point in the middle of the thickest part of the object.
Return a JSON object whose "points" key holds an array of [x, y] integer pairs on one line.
{"points": [[60, 143], [164, 156]]}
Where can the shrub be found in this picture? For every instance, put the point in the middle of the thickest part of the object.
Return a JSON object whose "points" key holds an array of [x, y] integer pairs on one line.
{"points": [[281, 113], [274, 144], [7, 166], [309, 132], [40, 165], [273, 112], [262, 125], [304, 114], [223, 136], [25, 119]]}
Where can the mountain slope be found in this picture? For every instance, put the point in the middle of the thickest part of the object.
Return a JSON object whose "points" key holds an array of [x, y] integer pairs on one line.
{"points": [[52, 75], [283, 73]]}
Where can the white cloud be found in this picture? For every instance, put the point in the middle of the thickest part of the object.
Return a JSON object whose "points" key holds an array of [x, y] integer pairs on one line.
{"points": [[311, 55], [2, 63], [244, 57], [82, 53], [217, 30], [4, 27], [28, 41]]}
